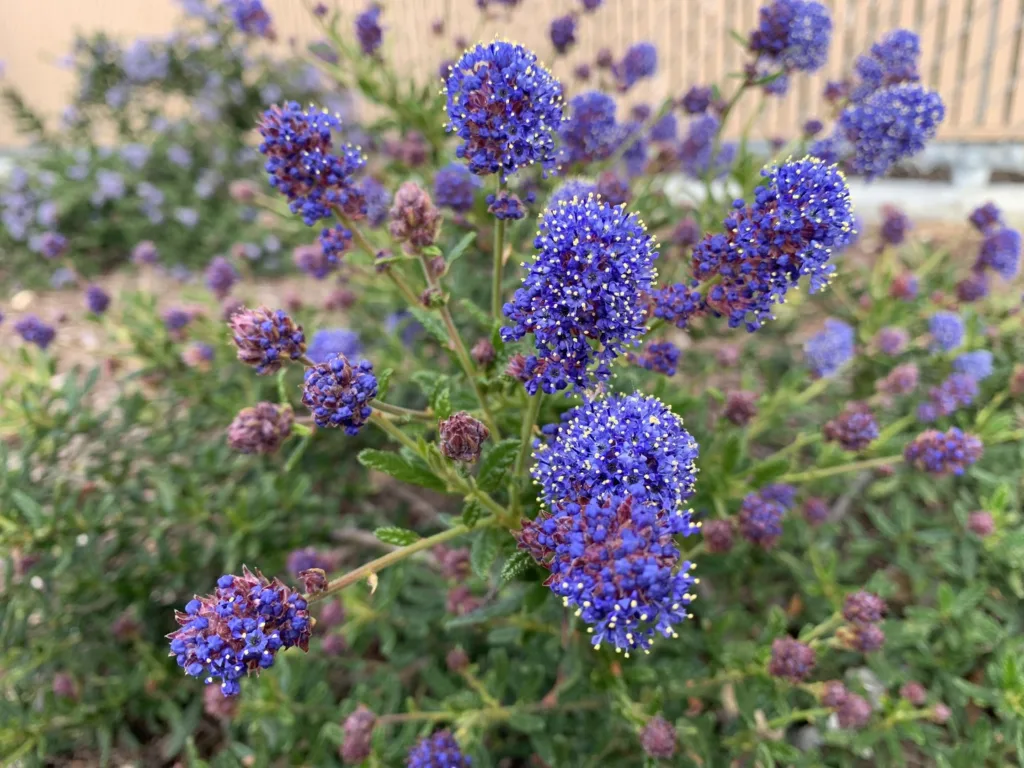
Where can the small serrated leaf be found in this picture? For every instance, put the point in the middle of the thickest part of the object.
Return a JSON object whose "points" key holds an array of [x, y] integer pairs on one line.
{"points": [[484, 552], [471, 513], [460, 247], [400, 537], [431, 324], [383, 381], [516, 565], [495, 464], [475, 312], [769, 471], [441, 402]]}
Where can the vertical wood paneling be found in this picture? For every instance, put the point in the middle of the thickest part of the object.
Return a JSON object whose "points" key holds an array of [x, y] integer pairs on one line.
{"points": [[972, 49]]}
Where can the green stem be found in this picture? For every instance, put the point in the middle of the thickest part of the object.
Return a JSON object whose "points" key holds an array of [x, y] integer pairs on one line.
{"points": [[831, 623], [397, 410], [800, 442], [374, 566], [393, 430], [813, 390], [499, 252], [853, 466], [367, 246], [799, 714], [524, 448]]}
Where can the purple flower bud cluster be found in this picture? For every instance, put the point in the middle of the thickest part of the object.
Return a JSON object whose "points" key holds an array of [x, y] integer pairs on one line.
{"points": [[613, 188], [461, 437], [563, 32], [892, 340], [440, 750], [799, 217], [52, 245], [696, 100], [584, 288], [974, 287], [781, 493], [686, 233], [454, 187], [760, 520], [640, 61], [145, 253], [613, 559], [626, 444], [895, 225], [1000, 252], [816, 510], [695, 150], [957, 391], [96, 299], [339, 394], [378, 200], [943, 453], [368, 30], [504, 106], [864, 608], [266, 339], [590, 131], [239, 629], [569, 189], [986, 218], [854, 429], [659, 356], [221, 277], [904, 287], [414, 218], [298, 146], [740, 407], [718, 536], [793, 34], [260, 429], [791, 660], [358, 729], [830, 349], [677, 304], [658, 738], [329, 342], [506, 206], [947, 331], [901, 380], [34, 331], [852, 710]]}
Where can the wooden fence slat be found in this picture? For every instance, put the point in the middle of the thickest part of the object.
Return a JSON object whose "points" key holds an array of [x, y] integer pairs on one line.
{"points": [[1009, 26], [1015, 121], [974, 79]]}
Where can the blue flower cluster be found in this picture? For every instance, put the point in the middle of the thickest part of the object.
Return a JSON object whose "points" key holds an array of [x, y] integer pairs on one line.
{"points": [[590, 131], [696, 100], [378, 200], [239, 629], [251, 17], [334, 243], [793, 35], [454, 187], [583, 290], [948, 453], [854, 429], [301, 166], [696, 148], [830, 349], [624, 444], [96, 299], [891, 61], [658, 356], [613, 559], [798, 219], [35, 331], [677, 304], [977, 364], [1000, 252], [439, 750], [613, 188], [760, 520], [329, 342], [780, 493], [947, 330], [569, 189], [505, 106], [665, 129], [220, 277], [563, 32], [506, 206], [338, 394], [639, 61]]}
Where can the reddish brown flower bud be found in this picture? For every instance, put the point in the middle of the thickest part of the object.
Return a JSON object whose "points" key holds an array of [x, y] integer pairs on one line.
{"points": [[981, 523], [658, 738], [217, 705], [266, 339], [432, 298], [454, 562], [243, 190], [358, 729], [483, 352], [65, 687], [1017, 380], [717, 535], [914, 692], [461, 437], [414, 218], [941, 713], [740, 407], [340, 298], [460, 601], [260, 429], [333, 645], [516, 367], [457, 660], [314, 580]]}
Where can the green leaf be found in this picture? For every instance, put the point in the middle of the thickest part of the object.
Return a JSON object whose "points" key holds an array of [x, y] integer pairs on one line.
{"points": [[431, 324], [731, 453], [400, 537], [400, 468], [495, 464], [441, 402], [485, 551], [383, 381], [516, 565], [472, 512], [475, 312], [29, 508], [770, 470], [460, 247]]}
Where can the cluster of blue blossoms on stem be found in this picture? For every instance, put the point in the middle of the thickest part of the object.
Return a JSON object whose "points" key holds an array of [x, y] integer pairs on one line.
{"points": [[339, 394], [301, 165], [948, 453], [830, 349], [590, 131], [760, 519], [505, 106], [794, 34], [455, 187], [239, 629], [658, 356], [797, 220], [251, 17], [639, 61], [439, 750], [584, 288], [957, 391], [623, 444], [613, 559], [947, 330]]}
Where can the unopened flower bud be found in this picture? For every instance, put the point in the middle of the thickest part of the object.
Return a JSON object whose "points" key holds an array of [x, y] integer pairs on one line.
{"points": [[64, 686], [314, 580], [432, 298], [260, 429], [462, 436], [457, 660], [718, 535], [414, 218], [914, 693], [658, 738], [483, 352], [941, 713], [358, 730], [217, 705], [740, 407], [981, 523]]}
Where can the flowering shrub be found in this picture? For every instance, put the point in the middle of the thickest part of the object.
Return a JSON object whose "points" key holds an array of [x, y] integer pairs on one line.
{"points": [[730, 483]]}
